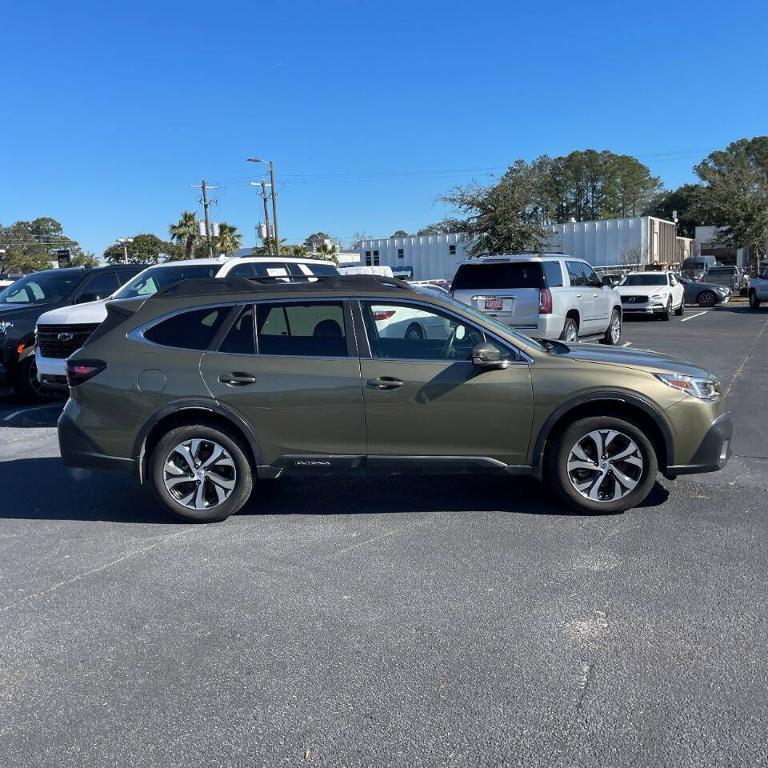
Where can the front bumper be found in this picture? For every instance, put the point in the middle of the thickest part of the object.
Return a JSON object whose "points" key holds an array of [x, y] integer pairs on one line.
{"points": [[643, 309], [51, 371], [714, 451], [78, 450]]}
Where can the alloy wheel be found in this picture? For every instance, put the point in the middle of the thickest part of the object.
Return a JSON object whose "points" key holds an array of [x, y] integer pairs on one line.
{"points": [[199, 474], [605, 465], [616, 329]]}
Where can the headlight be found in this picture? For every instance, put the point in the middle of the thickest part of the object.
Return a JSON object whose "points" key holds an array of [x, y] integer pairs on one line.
{"points": [[703, 389], [4, 326], [657, 297], [722, 289]]}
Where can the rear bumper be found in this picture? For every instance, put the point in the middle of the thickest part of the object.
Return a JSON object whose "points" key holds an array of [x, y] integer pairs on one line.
{"points": [[713, 453], [77, 450]]}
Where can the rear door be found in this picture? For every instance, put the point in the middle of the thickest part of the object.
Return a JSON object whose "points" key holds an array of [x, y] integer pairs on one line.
{"points": [[599, 298], [296, 382], [507, 290]]}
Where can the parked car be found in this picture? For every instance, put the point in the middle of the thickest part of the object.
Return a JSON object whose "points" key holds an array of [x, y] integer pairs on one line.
{"points": [[548, 296], [758, 290], [704, 294], [695, 267], [62, 331], [209, 384], [652, 293], [22, 303], [734, 278]]}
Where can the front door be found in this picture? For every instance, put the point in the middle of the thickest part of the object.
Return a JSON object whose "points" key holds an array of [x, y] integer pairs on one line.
{"points": [[296, 381], [425, 398]]}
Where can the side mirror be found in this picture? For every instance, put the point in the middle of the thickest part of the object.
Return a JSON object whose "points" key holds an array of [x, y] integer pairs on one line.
{"points": [[485, 355], [608, 281]]}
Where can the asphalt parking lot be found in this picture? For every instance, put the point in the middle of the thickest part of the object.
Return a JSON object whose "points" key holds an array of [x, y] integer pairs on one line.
{"points": [[393, 622]]}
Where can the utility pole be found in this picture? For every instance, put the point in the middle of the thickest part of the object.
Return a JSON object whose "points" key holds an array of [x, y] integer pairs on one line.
{"points": [[274, 207], [266, 216], [207, 220]]}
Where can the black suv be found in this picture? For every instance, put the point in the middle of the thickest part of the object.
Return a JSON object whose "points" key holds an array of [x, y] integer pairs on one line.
{"points": [[25, 300]]}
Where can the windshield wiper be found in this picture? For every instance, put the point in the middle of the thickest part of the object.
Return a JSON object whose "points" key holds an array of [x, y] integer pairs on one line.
{"points": [[557, 347]]}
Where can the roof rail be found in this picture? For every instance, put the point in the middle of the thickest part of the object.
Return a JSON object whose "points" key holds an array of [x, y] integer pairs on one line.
{"points": [[223, 285]]}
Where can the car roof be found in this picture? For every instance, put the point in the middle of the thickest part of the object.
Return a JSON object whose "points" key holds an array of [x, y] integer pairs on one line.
{"points": [[289, 259], [520, 257], [650, 272]]}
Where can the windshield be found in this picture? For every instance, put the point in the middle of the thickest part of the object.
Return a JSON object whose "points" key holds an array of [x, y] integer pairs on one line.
{"points": [[41, 287], [644, 280], [154, 279], [493, 323]]}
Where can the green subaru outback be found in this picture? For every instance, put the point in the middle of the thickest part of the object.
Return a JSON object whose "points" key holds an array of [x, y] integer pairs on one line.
{"points": [[212, 385]]}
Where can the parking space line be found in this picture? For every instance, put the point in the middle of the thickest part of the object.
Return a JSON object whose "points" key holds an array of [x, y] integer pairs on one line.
{"points": [[690, 317], [32, 409], [627, 344]]}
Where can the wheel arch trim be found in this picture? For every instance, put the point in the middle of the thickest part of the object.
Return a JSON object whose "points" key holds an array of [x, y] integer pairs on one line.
{"points": [[179, 406], [595, 396]]}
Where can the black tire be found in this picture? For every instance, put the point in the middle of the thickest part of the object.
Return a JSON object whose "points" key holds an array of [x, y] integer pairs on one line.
{"points": [[414, 331], [557, 466], [681, 309], [754, 302], [242, 473], [667, 313], [27, 387], [570, 330], [706, 299], [610, 336]]}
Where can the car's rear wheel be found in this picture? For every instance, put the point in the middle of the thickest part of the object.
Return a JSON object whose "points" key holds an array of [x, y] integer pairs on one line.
{"points": [[570, 330], [754, 302], [201, 474], [613, 333], [706, 299], [603, 464]]}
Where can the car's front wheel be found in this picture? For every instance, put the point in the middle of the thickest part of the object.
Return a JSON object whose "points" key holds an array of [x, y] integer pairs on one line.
{"points": [[603, 464], [667, 313], [200, 473], [28, 387], [681, 309], [706, 299], [754, 302]]}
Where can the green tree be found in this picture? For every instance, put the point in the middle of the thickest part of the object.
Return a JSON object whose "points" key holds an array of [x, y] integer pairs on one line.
{"points": [[315, 240], [228, 239], [734, 194], [145, 249], [185, 231], [685, 201], [28, 245], [85, 259], [400, 233], [328, 252], [503, 218], [439, 228]]}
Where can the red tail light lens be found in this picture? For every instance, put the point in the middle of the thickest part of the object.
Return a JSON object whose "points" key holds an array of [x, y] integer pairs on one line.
{"points": [[383, 314], [545, 301], [79, 371]]}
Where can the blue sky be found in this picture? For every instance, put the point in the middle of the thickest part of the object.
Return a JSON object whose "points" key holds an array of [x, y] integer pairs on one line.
{"points": [[111, 111]]}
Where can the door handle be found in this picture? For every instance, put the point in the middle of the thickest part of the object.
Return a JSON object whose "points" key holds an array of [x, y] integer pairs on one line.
{"points": [[578, 295], [385, 382], [237, 379]]}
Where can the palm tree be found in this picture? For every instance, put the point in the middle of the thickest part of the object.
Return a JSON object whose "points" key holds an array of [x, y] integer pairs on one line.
{"points": [[186, 231], [328, 252], [228, 240]]}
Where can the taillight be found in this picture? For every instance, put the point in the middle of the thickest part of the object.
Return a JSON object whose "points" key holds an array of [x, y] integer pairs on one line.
{"points": [[545, 301], [383, 314], [79, 371]]}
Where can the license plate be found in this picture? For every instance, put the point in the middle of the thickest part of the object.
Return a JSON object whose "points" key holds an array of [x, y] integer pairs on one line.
{"points": [[494, 305]]}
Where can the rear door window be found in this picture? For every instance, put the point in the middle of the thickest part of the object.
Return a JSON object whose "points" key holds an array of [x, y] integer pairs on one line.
{"points": [[505, 275], [314, 329], [188, 330]]}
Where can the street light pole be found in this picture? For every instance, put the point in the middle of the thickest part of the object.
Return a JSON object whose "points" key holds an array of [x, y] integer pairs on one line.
{"points": [[274, 198], [263, 186], [124, 242]]}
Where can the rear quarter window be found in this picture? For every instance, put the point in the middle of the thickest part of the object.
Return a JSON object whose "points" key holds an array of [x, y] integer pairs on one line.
{"points": [[553, 274], [188, 330]]}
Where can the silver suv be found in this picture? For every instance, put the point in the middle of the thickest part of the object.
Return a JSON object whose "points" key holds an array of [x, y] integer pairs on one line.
{"points": [[549, 296]]}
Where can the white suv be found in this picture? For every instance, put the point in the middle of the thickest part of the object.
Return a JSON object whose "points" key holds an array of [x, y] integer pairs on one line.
{"points": [[758, 290], [549, 296], [652, 293], [61, 332]]}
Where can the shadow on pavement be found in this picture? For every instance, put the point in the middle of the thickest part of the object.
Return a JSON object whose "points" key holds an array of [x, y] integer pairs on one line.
{"points": [[44, 489], [31, 417]]}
